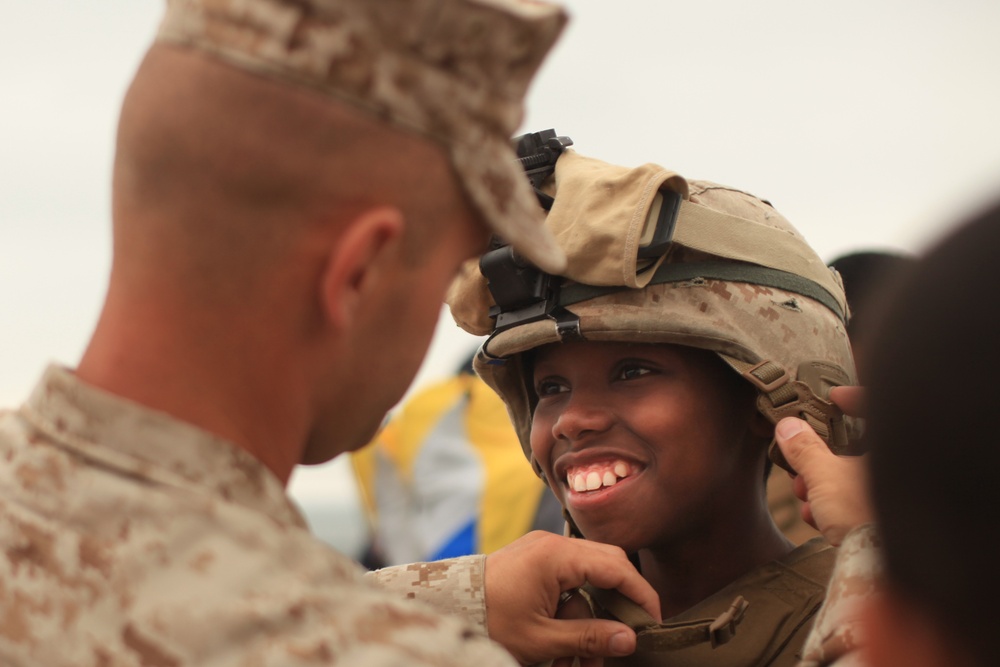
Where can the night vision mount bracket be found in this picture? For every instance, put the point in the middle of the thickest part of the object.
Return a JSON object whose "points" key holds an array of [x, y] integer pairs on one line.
{"points": [[522, 292]]}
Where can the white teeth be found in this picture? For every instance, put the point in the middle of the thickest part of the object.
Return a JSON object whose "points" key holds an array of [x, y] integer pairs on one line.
{"points": [[593, 480]]}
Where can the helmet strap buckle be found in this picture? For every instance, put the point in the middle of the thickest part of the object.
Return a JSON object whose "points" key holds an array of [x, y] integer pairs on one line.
{"points": [[767, 376]]}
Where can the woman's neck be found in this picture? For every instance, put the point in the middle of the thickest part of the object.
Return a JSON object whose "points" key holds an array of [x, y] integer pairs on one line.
{"points": [[692, 568]]}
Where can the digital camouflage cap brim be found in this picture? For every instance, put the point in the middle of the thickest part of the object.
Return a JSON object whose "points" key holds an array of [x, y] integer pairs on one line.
{"points": [[455, 71]]}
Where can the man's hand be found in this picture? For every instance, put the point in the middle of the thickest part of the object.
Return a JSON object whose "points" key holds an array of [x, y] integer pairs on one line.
{"points": [[523, 584], [832, 488]]}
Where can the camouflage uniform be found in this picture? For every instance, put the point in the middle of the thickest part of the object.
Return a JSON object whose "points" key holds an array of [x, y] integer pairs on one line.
{"points": [[837, 635], [130, 538]]}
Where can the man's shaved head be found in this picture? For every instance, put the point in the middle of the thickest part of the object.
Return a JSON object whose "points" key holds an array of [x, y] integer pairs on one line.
{"points": [[264, 235], [218, 172]]}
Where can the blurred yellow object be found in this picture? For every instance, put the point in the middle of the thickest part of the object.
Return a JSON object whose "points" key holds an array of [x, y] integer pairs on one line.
{"points": [[446, 477]]}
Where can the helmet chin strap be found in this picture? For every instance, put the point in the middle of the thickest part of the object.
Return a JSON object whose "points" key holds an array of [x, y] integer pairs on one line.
{"points": [[571, 529], [806, 397]]}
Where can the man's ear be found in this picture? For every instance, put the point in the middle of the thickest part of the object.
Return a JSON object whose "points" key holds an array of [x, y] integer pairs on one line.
{"points": [[358, 261]]}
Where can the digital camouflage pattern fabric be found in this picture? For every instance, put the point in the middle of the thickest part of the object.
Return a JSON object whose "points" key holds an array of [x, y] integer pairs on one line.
{"points": [[837, 636], [455, 71], [129, 538]]}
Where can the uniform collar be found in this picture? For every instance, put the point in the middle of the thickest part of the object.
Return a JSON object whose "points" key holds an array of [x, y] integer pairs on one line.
{"points": [[118, 433]]}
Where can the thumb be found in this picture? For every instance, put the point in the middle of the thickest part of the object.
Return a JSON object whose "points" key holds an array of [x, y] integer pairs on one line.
{"points": [[835, 496], [590, 638], [803, 449]]}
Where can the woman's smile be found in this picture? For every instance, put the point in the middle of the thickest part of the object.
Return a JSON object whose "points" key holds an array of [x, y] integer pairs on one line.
{"points": [[630, 439]]}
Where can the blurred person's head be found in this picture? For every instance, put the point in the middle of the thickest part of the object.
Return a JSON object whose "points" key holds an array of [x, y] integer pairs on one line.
{"points": [[866, 274], [935, 461]]}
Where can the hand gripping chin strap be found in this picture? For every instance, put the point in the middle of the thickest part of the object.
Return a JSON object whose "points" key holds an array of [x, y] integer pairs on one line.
{"points": [[805, 398], [656, 637]]}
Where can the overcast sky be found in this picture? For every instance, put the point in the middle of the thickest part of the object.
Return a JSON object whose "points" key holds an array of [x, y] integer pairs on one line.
{"points": [[867, 124]]}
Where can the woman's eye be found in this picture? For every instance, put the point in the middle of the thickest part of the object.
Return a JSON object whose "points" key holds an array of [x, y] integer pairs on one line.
{"points": [[548, 388], [633, 372]]}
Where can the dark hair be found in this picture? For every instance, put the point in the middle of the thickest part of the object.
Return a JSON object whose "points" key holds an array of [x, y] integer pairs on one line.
{"points": [[866, 275], [935, 451]]}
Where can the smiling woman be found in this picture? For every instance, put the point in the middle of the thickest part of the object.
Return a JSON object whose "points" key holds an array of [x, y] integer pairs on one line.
{"points": [[637, 427], [644, 383]]}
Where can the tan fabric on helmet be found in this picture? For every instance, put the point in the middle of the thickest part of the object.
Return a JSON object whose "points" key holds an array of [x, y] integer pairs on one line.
{"points": [[712, 231], [599, 216], [737, 320], [602, 208], [470, 299]]}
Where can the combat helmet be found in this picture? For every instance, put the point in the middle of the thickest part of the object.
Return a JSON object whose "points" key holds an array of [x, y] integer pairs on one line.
{"points": [[656, 258]]}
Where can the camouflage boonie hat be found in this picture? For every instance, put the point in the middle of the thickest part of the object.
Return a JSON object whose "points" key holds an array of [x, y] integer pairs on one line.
{"points": [[735, 278], [455, 71]]}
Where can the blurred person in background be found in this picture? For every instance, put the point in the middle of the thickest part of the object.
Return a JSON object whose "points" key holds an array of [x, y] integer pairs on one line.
{"points": [[867, 274], [445, 477], [917, 580]]}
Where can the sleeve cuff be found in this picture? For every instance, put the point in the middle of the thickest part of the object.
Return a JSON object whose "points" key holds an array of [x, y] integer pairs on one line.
{"points": [[455, 586]]}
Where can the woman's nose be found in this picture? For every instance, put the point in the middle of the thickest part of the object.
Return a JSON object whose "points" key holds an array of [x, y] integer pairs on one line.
{"points": [[583, 414]]}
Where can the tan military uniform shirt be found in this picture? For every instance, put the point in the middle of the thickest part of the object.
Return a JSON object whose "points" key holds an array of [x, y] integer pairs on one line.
{"points": [[783, 595], [129, 538]]}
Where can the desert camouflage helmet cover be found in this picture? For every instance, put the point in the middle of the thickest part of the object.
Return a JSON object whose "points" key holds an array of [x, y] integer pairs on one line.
{"points": [[454, 71], [736, 278]]}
